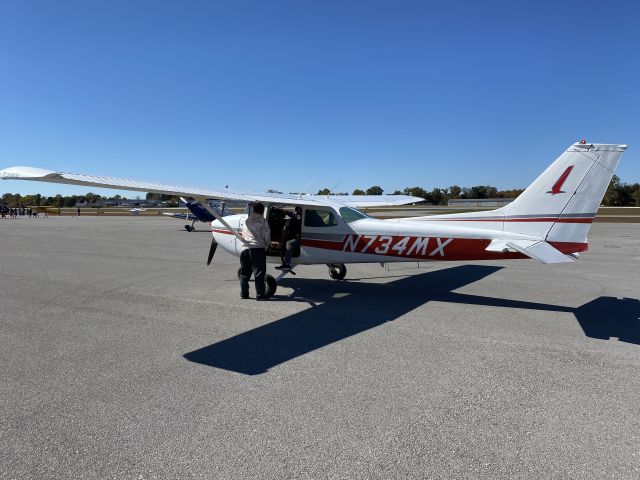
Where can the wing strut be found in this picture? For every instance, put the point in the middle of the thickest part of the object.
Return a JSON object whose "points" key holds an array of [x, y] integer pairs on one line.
{"points": [[213, 212]]}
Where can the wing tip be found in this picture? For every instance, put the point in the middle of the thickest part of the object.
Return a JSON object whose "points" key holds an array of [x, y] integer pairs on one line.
{"points": [[25, 173]]}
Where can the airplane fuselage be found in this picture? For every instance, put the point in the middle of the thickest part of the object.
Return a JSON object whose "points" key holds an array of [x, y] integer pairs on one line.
{"points": [[369, 240]]}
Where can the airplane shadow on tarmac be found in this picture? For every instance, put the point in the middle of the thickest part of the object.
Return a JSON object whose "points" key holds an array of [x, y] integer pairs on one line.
{"points": [[349, 308]]}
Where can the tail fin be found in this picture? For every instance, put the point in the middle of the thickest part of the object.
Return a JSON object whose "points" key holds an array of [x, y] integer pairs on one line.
{"points": [[561, 203]]}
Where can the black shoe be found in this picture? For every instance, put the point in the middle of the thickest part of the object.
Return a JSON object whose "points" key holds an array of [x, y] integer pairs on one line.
{"points": [[244, 297], [283, 267], [261, 297]]}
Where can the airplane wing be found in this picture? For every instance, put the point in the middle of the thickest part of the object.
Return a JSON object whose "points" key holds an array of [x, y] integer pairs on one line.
{"points": [[362, 201], [41, 175]]}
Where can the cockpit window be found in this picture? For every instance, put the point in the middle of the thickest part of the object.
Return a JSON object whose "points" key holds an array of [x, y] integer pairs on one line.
{"points": [[349, 214], [320, 218]]}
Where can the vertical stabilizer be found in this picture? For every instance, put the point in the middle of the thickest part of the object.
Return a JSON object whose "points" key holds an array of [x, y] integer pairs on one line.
{"points": [[561, 203]]}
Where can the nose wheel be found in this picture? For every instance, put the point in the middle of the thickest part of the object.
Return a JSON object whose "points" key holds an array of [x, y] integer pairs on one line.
{"points": [[337, 271]]}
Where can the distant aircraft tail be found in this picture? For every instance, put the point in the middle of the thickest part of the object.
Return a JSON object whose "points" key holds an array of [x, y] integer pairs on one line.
{"points": [[560, 204]]}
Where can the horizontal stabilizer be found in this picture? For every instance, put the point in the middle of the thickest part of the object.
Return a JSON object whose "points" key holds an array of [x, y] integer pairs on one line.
{"points": [[540, 251], [501, 246]]}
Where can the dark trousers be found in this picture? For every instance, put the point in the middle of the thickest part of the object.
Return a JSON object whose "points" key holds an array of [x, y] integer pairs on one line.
{"points": [[253, 260], [291, 245]]}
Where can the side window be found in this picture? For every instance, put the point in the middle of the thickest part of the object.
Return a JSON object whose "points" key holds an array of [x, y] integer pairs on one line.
{"points": [[320, 218], [349, 214]]}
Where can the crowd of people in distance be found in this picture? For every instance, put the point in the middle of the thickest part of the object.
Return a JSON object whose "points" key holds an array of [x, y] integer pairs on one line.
{"points": [[21, 212]]}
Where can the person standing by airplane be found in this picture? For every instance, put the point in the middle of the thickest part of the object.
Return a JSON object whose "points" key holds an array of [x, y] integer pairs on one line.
{"points": [[291, 237], [257, 236]]}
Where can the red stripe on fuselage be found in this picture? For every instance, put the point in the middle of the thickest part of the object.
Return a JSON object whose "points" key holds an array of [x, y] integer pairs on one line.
{"points": [[326, 244], [541, 219], [457, 249]]}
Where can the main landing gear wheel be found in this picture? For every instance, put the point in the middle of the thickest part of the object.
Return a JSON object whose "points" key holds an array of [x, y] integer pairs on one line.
{"points": [[272, 286], [270, 282], [189, 228], [337, 271]]}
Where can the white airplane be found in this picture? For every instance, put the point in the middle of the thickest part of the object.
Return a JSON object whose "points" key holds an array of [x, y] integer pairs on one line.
{"points": [[548, 222], [137, 211]]}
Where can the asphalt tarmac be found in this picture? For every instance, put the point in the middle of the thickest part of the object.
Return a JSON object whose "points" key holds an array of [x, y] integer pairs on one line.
{"points": [[122, 355]]}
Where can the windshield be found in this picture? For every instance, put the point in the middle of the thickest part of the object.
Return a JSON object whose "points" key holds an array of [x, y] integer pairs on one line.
{"points": [[349, 214]]}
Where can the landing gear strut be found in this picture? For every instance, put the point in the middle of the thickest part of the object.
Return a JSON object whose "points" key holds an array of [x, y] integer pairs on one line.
{"points": [[191, 228], [337, 271]]}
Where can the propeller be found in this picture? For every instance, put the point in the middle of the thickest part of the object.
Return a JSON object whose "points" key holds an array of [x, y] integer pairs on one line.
{"points": [[212, 250]]}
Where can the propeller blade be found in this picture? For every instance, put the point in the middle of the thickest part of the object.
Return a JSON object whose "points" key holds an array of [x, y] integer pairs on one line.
{"points": [[212, 250]]}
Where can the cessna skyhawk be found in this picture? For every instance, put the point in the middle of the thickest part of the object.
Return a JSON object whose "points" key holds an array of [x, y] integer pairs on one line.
{"points": [[548, 222]]}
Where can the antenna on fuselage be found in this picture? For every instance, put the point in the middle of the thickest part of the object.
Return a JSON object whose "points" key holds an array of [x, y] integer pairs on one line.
{"points": [[303, 191], [333, 190]]}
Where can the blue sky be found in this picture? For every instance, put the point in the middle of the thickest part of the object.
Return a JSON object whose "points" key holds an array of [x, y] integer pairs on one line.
{"points": [[270, 94]]}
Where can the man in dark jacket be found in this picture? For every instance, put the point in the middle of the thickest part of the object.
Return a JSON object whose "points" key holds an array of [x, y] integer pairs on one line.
{"points": [[291, 237]]}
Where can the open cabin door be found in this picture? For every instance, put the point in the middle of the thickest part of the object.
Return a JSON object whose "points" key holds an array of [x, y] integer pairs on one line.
{"points": [[283, 228]]}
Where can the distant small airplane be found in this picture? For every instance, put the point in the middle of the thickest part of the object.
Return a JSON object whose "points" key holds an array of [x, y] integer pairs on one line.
{"points": [[548, 222], [137, 211], [198, 213]]}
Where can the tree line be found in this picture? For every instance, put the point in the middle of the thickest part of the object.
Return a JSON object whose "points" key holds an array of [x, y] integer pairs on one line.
{"points": [[619, 194], [438, 196]]}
